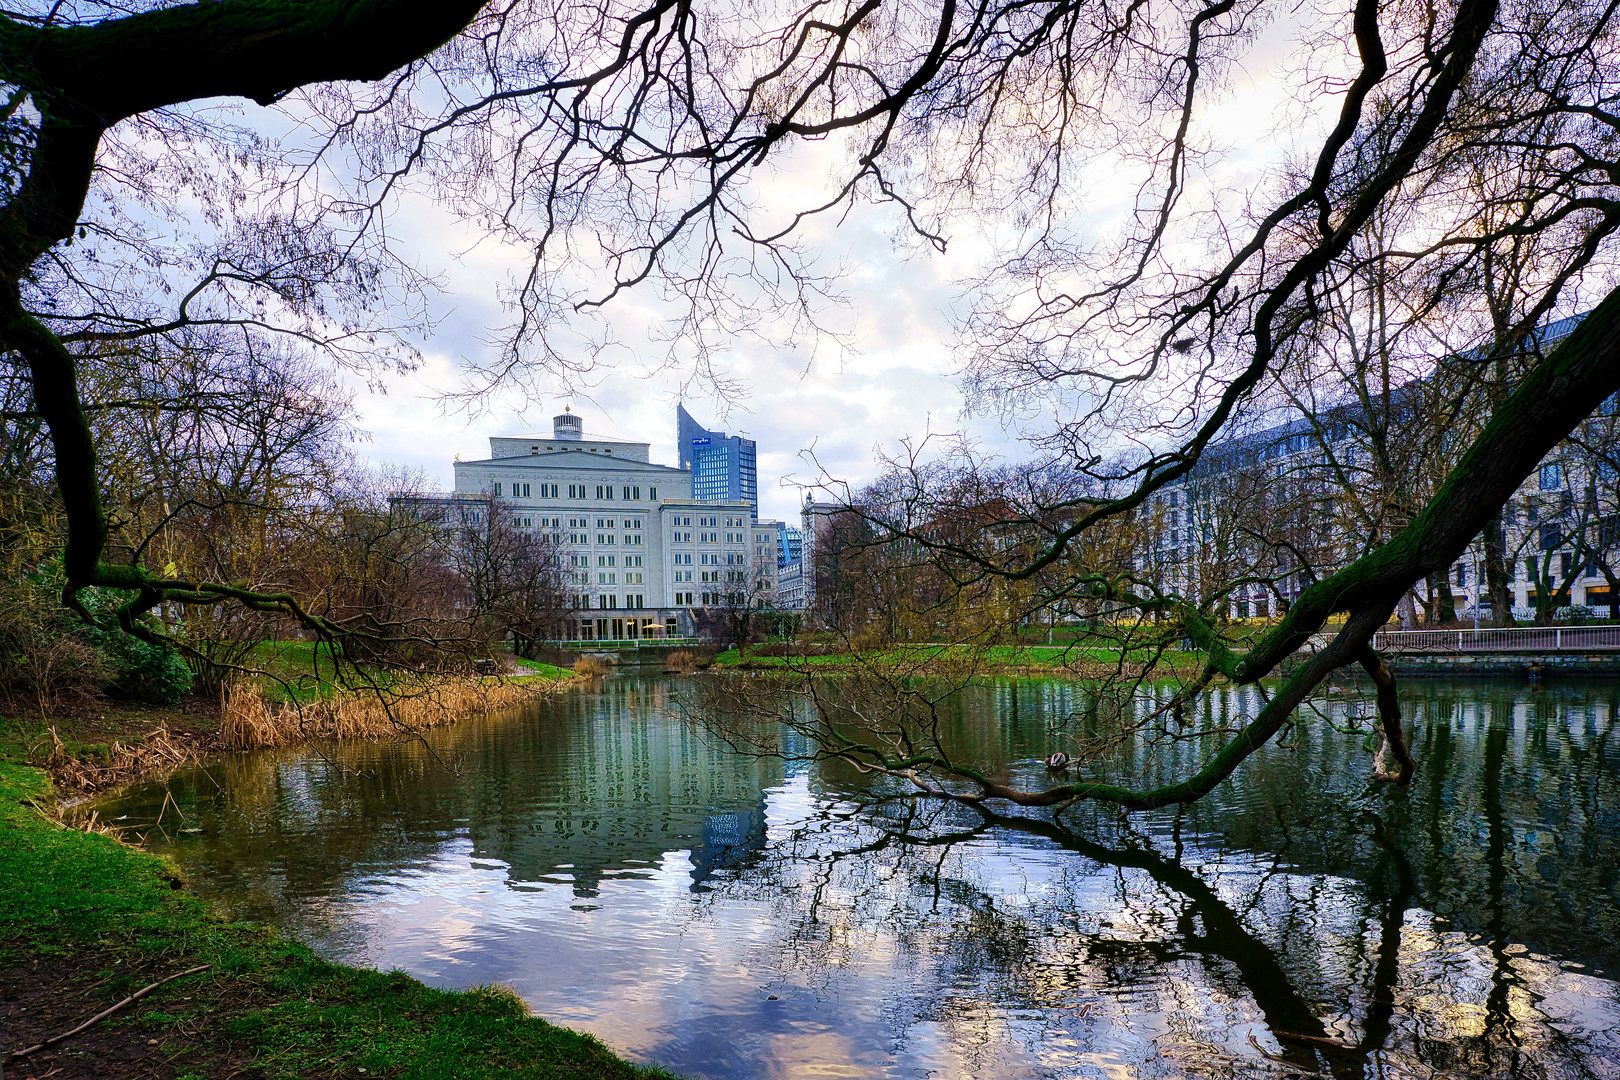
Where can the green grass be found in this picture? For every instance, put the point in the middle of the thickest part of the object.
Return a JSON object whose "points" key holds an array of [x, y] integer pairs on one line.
{"points": [[994, 658], [292, 673], [550, 671], [90, 906]]}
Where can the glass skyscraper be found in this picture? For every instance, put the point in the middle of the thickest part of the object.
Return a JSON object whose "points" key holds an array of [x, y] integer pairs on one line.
{"points": [[724, 467]]}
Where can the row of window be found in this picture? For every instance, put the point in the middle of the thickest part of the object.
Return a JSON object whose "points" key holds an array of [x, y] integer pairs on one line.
{"points": [[610, 601], [714, 523], [708, 558], [686, 599], [604, 492]]}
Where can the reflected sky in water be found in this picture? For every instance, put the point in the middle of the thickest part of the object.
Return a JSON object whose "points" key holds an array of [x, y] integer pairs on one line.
{"points": [[735, 917]]}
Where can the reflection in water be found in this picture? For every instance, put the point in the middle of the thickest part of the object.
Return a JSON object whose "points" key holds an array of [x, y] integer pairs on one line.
{"points": [[729, 918]]}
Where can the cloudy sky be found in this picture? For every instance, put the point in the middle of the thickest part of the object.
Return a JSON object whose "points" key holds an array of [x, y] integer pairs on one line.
{"points": [[808, 406], [811, 407]]}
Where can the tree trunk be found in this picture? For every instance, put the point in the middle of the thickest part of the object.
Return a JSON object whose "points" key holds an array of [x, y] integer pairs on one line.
{"points": [[1446, 609], [1408, 610], [1498, 579]]}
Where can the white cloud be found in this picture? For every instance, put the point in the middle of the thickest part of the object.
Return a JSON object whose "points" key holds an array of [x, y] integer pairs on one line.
{"points": [[801, 396]]}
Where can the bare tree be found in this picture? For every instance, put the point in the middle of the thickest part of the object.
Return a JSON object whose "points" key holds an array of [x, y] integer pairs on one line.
{"points": [[512, 571], [618, 143]]}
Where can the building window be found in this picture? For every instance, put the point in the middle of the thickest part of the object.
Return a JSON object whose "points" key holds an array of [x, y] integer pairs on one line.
{"points": [[1552, 477], [497, 489]]}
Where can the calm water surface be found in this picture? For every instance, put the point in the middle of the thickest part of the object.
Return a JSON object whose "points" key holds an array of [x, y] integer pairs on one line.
{"points": [[734, 917]]}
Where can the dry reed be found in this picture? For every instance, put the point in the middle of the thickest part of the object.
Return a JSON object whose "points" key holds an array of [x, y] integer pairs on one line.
{"points": [[682, 661], [591, 667], [159, 752], [251, 723]]}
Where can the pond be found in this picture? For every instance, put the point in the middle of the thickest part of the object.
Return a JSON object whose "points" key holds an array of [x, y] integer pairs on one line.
{"points": [[729, 916]]}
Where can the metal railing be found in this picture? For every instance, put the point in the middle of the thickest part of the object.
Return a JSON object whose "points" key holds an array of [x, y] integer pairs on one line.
{"points": [[619, 643], [1515, 639]]}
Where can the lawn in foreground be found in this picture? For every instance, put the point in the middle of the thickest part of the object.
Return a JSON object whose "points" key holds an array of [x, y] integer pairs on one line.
{"points": [[86, 920]]}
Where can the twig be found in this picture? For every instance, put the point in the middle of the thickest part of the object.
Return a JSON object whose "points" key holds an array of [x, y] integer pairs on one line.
{"points": [[1298, 1069], [104, 1013]]}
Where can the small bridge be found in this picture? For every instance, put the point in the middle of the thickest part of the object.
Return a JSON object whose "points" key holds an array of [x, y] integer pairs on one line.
{"points": [[1519, 640], [629, 652]]}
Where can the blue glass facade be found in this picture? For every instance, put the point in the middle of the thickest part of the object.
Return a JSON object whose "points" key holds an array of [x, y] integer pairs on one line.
{"points": [[724, 467]]}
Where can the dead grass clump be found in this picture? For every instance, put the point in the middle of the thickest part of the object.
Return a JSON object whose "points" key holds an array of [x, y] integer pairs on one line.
{"points": [[681, 661], [591, 667], [159, 752]]}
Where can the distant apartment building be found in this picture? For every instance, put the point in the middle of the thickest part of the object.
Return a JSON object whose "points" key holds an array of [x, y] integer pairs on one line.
{"points": [[790, 587], [724, 467], [1287, 505], [817, 520]]}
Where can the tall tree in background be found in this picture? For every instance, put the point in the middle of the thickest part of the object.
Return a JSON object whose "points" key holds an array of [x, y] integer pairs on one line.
{"points": [[512, 573], [620, 142]]}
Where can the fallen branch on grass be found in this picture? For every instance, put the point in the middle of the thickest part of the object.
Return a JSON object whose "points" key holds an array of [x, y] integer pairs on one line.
{"points": [[103, 1014]]}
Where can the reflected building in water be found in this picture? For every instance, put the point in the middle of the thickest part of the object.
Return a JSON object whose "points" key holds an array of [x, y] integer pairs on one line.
{"points": [[629, 790]]}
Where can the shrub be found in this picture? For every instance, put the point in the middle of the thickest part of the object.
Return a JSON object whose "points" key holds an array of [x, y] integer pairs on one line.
{"points": [[591, 667], [150, 673], [45, 658]]}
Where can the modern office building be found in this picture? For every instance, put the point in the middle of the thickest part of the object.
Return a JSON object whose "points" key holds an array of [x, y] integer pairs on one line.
{"points": [[724, 467], [643, 550], [789, 544]]}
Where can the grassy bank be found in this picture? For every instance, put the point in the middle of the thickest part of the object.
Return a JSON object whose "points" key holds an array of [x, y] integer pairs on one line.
{"points": [[1075, 660], [96, 745], [295, 671], [86, 921]]}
